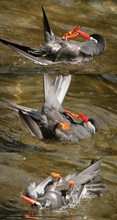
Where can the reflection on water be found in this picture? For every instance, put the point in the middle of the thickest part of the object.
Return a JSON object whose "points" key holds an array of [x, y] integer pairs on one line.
{"points": [[24, 159]]}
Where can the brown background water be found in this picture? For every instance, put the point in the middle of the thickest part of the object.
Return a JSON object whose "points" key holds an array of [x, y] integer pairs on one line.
{"points": [[24, 159]]}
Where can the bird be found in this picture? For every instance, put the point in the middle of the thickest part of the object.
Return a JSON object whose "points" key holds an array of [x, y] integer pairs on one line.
{"points": [[62, 49], [56, 192], [53, 121]]}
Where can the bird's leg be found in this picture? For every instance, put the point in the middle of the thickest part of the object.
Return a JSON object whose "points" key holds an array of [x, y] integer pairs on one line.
{"points": [[80, 116], [71, 183], [72, 114], [56, 175]]}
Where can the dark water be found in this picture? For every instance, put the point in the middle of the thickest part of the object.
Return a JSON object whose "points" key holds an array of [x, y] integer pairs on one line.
{"points": [[25, 159]]}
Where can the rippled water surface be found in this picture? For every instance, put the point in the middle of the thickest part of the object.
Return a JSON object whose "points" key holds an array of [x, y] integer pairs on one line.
{"points": [[25, 159], [21, 22]]}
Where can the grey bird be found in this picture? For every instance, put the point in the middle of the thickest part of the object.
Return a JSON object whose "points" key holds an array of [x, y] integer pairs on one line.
{"points": [[66, 191], [53, 121], [57, 49]]}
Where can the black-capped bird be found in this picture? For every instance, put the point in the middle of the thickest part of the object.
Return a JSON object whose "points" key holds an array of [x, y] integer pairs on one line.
{"points": [[68, 191], [53, 121], [61, 49]]}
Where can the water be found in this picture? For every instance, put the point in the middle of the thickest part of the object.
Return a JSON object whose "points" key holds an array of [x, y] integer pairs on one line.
{"points": [[21, 22], [24, 159]]}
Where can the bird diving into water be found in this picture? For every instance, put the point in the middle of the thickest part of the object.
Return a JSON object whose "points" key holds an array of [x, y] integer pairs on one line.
{"points": [[53, 121], [61, 49], [56, 192]]}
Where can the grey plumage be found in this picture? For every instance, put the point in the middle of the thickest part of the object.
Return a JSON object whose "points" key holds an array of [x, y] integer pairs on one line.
{"points": [[58, 50], [47, 122], [61, 192]]}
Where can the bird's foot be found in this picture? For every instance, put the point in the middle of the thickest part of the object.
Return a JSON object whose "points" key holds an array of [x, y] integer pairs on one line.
{"points": [[56, 175], [64, 125], [71, 34]]}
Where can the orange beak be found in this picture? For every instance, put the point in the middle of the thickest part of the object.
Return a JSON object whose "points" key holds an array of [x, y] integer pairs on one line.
{"points": [[84, 117], [31, 201], [85, 35]]}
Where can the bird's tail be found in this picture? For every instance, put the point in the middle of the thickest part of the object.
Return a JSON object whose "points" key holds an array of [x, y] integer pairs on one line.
{"points": [[56, 88]]}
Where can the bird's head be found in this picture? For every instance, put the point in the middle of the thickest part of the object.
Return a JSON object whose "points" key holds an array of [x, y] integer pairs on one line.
{"points": [[99, 41], [76, 31], [90, 123], [95, 37], [32, 202]]}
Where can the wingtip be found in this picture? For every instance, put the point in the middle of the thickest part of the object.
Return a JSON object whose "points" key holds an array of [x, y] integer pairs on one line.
{"points": [[98, 161], [4, 41], [44, 14], [31, 125], [42, 7]]}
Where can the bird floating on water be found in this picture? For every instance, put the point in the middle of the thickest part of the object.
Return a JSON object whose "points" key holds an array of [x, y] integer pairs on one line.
{"points": [[68, 191], [61, 49], [53, 121]]}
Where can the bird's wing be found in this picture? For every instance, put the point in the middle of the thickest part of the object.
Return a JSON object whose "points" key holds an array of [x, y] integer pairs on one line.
{"points": [[86, 175], [48, 34], [88, 47], [34, 191], [40, 188], [29, 111], [62, 186], [32, 54], [19, 47], [31, 125]]}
